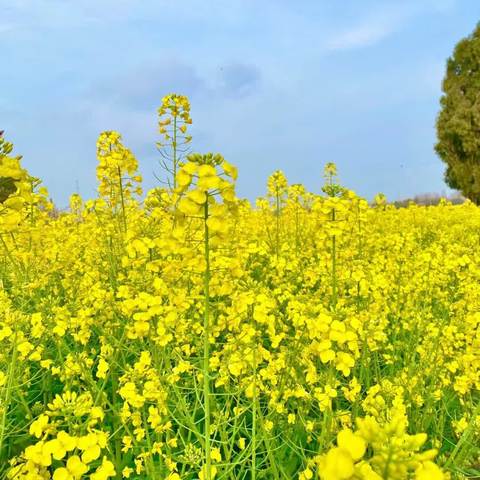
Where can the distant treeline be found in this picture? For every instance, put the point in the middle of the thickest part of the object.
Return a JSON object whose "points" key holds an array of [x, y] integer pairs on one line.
{"points": [[429, 199]]}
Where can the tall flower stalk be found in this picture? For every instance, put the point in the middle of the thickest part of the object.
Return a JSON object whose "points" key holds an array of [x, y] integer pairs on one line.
{"points": [[277, 190], [205, 190], [117, 174], [174, 119], [333, 190]]}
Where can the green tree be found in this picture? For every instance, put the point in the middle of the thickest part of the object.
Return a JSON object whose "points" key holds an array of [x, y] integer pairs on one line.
{"points": [[7, 184], [458, 123]]}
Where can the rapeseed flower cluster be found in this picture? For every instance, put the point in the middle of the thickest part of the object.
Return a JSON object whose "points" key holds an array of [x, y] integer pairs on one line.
{"points": [[194, 335]]}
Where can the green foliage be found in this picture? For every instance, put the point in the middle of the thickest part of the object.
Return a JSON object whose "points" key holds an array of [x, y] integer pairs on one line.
{"points": [[458, 123], [7, 184]]}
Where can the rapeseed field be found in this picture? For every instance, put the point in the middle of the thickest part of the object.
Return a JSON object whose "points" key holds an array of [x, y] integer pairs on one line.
{"points": [[187, 334]]}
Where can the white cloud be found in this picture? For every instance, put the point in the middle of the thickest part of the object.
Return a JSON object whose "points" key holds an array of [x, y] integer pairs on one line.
{"points": [[359, 36], [383, 21], [372, 29]]}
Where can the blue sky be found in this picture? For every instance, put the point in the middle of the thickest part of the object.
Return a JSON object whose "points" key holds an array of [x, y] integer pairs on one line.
{"points": [[284, 84]]}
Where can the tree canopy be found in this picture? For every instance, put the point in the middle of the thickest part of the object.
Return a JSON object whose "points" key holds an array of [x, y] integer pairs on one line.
{"points": [[458, 123]]}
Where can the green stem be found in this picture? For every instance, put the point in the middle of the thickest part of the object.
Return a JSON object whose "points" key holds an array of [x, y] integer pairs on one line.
{"points": [[334, 266], [174, 146], [206, 347], [463, 439], [254, 417], [15, 265], [120, 185], [277, 212], [8, 393], [297, 229]]}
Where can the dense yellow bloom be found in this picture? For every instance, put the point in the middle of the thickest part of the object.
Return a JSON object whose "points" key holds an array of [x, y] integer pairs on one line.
{"points": [[353, 444], [16, 189], [73, 470], [104, 471], [61, 445], [429, 471], [332, 338], [336, 465], [38, 426]]}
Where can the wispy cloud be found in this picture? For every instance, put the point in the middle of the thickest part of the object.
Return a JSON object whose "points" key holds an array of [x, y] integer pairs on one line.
{"points": [[359, 36], [370, 30], [383, 21]]}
